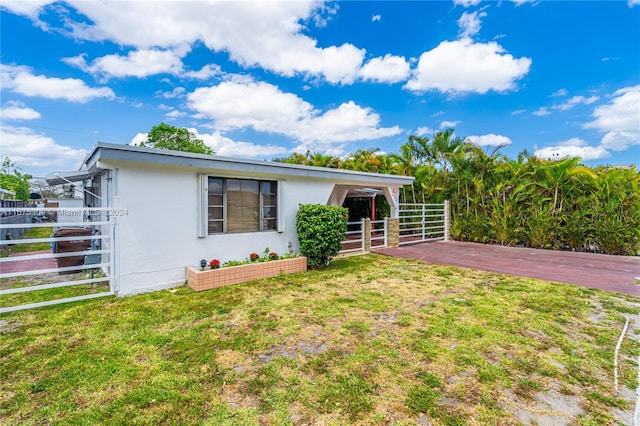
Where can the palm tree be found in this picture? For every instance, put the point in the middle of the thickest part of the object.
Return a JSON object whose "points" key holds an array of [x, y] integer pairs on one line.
{"points": [[320, 160], [364, 160], [556, 175]]}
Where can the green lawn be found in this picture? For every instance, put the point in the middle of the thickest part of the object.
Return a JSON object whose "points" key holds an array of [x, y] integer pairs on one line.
{"points": [[368, 340], [44, 232]]}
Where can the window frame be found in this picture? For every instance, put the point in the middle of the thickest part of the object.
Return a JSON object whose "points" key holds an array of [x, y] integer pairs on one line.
{"points": [[274, 221]]}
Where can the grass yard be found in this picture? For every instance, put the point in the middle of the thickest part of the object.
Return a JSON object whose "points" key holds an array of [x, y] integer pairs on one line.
{"points": [[44, 232], [368, 340]]}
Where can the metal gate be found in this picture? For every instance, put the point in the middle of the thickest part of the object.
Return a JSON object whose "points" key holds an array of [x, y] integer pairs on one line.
{"points": [[423, 222], [65, 255], [354, 239], [363, 235]]}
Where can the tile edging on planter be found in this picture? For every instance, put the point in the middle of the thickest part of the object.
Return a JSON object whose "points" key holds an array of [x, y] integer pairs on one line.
{"points": [[213, 278]]}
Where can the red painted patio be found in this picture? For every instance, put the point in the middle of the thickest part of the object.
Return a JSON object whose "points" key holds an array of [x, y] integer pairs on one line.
{"points": [[605, 272], [29, 265]]}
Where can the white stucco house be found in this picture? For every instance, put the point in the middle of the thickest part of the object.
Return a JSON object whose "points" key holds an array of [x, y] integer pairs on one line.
{"points": [[172, 209]]}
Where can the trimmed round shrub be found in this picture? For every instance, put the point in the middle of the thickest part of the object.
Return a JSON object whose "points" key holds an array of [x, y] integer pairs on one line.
{"points": [[321, 230]]}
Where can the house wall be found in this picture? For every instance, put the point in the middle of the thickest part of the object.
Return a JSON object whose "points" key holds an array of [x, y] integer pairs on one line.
{"points": [[157, 237], [69, 216]]}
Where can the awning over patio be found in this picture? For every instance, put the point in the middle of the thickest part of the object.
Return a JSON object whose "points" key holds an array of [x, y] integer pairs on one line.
{"points": [[59, 178]]}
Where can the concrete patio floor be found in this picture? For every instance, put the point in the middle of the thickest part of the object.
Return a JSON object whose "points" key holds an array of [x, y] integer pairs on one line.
{"points": [[612, 273]]}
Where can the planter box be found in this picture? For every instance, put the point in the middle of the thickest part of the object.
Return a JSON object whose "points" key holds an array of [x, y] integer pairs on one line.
{"points": [[213, 278]]}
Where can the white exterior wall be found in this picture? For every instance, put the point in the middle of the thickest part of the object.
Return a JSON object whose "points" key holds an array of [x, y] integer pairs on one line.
{"points": [[69, 217], [157, 238]]}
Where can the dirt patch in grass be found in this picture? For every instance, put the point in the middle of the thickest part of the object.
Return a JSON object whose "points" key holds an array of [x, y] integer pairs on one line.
{"points": [[368, 340]]}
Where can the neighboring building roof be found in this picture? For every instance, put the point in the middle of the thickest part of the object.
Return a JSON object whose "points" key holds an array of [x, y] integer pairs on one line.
{"points": [[113, 152]]}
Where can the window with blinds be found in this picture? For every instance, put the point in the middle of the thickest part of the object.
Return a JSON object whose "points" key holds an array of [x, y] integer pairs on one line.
{"points": [[241, 205]]}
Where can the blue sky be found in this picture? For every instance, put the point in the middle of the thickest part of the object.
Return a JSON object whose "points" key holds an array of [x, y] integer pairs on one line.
{"points": [[265, 79]]}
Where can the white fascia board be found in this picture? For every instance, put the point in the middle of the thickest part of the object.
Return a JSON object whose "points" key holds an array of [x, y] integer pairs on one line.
{"points": [[234, 166]]}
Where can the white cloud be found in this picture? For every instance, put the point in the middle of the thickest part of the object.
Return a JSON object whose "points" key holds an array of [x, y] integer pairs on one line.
{"points": [[518, 111], [178, 92], [448, 124], [138, 139], [264, 34], [376, 18], [30, 9], [576, 100], [172, 115], [541, 112], [422, 131], [33, 150], [619, 119], [21, 80], [225, 146], [486, 67], [490, 140], [574, 147], [467, 3], [139, 63], [469, 23], [263, 107], [204, 73], [349, 122], [521, 2], [14, 110], [388, 69], [559, 92], [632, 3]]}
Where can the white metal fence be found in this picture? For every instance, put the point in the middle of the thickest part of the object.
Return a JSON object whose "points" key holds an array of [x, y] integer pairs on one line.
{"points": [[354, 240], [79, 257], [417, 223], [423, 222], [357, 239]]}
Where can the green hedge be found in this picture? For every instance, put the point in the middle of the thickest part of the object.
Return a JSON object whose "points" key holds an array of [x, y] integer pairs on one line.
{"points": [[321, 230]]}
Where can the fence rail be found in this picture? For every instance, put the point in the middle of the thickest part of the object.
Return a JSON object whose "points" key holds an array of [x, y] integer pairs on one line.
{"points": [[354, 240], [378, 233], [80, 256], [423, 222]]}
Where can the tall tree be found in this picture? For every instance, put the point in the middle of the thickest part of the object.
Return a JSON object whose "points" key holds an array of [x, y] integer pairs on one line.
{"points": [[12, 179], [165, 136]]}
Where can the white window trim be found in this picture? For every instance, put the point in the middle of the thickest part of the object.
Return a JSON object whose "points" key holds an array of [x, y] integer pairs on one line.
{"points": [[203, 204]]}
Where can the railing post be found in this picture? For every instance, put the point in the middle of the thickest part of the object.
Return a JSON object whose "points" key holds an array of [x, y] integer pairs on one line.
{"points": [[447, 219], [423, 222], [386, 231], [393, 231], [366, 234]]}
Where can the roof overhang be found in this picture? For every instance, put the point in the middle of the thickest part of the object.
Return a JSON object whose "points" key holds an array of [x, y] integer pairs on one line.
{"points": [[104, 153], [59, 178]]}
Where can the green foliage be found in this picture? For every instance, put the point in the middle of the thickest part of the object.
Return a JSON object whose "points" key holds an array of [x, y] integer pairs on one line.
{"points": [[13, 180], [554, 204], [165, 136], [321, 230]]}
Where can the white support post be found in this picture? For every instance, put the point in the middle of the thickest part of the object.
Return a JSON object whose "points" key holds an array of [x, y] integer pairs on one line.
{"points": [[423, 222], [386, 230], [447, 220]]}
